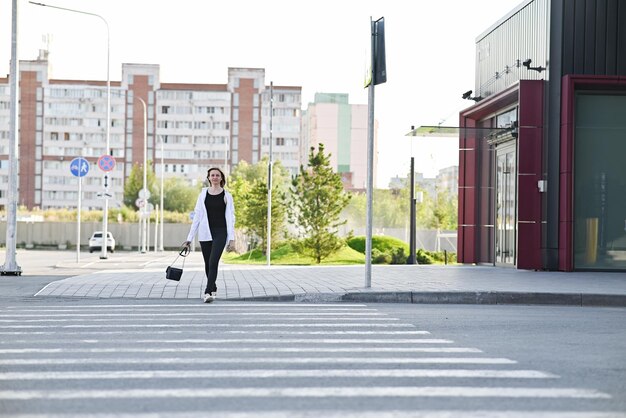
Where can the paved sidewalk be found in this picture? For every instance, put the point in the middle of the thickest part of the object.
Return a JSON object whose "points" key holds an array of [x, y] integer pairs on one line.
{"points": [[143, 276]]}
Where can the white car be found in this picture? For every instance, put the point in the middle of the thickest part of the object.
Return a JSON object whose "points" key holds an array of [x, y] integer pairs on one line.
{"points": [[95, 242]]}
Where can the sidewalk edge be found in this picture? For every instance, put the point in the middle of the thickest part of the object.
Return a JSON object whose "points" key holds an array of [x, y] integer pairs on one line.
{"points": [[459, 298]]}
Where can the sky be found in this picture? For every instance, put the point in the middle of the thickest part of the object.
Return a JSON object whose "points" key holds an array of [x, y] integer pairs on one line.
{"points": [[322, 46]]}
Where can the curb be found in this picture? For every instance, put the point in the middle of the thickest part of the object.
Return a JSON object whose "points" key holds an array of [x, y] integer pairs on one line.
{"points": [[459, 298]]}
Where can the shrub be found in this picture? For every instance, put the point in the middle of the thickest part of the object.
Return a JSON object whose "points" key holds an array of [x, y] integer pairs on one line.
{"points": [[440, 257], [398, 256], [380, 242], [424, 257], [379, 257]]}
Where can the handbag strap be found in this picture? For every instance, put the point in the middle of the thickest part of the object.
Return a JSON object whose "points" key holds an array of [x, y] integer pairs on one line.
{"points": [[183, 253]]}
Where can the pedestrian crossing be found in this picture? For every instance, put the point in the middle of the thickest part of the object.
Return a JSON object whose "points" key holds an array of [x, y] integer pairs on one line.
{"points": [[259, 360]]}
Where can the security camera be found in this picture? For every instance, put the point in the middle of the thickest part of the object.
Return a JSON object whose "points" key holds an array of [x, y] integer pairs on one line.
{"points": [[528, 67], [467, 95]]}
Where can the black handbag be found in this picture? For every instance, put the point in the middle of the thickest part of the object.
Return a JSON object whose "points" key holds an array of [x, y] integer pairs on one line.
{"points": [[175, 273]]}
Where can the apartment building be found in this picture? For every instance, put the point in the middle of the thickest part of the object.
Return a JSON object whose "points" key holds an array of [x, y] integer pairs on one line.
{"points": [[342, 128], [188, 128], [448, 180]]}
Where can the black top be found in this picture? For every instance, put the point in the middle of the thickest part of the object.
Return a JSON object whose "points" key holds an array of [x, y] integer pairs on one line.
{"points": [[216, 210]]}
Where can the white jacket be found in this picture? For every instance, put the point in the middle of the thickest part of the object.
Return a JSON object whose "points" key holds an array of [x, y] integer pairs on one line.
{"points": [[200, 223]]}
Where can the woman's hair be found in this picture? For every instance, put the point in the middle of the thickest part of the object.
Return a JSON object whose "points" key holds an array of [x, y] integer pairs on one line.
{"points": [[223, 181]]}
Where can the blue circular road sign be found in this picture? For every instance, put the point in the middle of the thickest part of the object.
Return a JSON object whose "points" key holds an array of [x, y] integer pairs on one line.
{"points": [[79, 167]]}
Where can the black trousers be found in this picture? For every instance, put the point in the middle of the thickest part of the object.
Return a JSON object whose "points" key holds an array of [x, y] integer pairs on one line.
{"points": [[212, 252]]}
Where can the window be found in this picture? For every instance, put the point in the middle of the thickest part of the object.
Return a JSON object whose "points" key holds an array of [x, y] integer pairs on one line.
{"points": [[599, 182]]}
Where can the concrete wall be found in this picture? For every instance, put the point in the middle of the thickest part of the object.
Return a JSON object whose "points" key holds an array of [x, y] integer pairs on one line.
{"points": [[53, 234]]}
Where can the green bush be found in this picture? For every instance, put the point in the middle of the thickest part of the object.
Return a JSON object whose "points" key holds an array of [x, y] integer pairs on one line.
{"points": [[380, 242], [379, 257], [389, 250], [424, 257], [440, 257], [398, 256]]}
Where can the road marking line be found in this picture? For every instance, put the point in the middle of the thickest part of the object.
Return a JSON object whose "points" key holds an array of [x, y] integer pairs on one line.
{"points": [[309, 392], [367, 315], [271, 332], [178, 325], [337, 306], [240, 350], [266, 360], [285, 341], [264, 374], [221, 325], [349, 414], [295, 341]]}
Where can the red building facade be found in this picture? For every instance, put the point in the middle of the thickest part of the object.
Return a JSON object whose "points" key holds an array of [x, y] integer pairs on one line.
{"points": [[542, 185]]}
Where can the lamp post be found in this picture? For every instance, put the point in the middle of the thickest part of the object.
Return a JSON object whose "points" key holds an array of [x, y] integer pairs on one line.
{"points": [[268, 248], [162, 210], [10, 266], [107, 150], [412, 259], [144, 232]]}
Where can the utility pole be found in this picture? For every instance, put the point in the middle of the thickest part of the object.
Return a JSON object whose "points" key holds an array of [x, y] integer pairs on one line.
{"points": [[10, 266], [378, 75], [269, 183]]}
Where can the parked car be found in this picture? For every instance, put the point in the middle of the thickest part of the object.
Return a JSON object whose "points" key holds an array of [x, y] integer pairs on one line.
{"points": [[95, 242]]}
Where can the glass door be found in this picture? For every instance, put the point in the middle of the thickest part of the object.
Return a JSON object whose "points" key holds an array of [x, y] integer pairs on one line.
{"points": [[506, 205]]}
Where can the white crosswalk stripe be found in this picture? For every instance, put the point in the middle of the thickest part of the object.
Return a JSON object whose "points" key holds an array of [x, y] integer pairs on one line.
{"points": [[349, 414], [284, 355]]}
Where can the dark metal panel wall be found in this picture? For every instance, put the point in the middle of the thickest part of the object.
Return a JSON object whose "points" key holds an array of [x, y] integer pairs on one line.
{"points": [[594, 37], [501, 51]]}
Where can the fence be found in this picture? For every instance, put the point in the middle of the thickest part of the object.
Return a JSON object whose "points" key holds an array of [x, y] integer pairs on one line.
{"points": [[127, 235]]}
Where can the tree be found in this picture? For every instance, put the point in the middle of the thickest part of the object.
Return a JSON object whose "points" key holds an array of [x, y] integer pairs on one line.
{"points": [[178, 195], [254, 214], [318, 199], [134, 183], [248, 184], [445, 213]]}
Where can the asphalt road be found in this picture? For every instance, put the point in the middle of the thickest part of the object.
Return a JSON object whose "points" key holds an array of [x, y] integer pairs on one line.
{"points": [[180, 358]]}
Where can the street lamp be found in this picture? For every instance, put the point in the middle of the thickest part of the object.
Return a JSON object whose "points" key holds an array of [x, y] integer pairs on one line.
{"points": [[269, 183], [144, 232], [412, 256], [107, 150], [162, 210], [10, 266]]}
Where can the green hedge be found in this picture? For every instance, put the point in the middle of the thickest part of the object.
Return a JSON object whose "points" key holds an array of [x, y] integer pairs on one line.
{"points": [[385, 250], [380, 242], [390, 250]]}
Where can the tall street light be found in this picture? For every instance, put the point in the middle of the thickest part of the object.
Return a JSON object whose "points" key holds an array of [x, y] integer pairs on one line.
{"points": [[412, 256], [144, 232], [162, 210], [269, 184], [10, 266], [107, 150]]}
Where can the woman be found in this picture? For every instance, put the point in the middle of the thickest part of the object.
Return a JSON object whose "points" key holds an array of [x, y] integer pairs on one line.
{"points": [[214, 222]]}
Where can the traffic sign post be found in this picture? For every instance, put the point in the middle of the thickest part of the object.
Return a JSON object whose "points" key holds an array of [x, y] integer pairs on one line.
{"points": [[106, 163], [79, 167]]}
